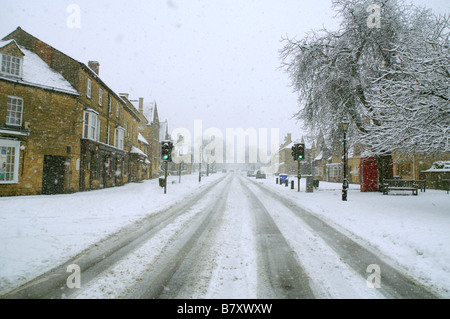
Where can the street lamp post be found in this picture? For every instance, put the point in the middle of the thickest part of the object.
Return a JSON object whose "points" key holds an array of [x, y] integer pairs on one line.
{"points": [[345, 124], [200, 167]]}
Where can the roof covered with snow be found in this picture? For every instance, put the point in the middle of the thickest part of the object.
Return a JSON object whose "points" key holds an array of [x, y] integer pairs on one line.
{"points": [[149, 109], [5, 43], [142, 139], [135, 150], [37, 73], [163, 130]]}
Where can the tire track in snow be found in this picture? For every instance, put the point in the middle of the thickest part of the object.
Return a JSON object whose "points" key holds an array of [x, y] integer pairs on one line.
{"points": [[100, 257], [233, 250], [394, 284], [332, 278], [179, 269], [279, 273]]}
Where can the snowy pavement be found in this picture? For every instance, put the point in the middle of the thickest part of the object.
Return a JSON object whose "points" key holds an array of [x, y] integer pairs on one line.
{"points": [[38, 233], [412, 232]]}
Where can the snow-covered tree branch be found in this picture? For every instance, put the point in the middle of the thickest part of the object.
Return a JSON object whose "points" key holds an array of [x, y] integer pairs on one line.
{"points": [[392, 81]]}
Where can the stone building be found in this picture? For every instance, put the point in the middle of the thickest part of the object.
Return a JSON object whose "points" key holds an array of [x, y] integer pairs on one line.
{"points": [[364, 169], [149, 129], [39, 125], [62, 122]]}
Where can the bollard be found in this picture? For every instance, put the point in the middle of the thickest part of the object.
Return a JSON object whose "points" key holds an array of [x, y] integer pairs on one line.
{"points": [[286, 183], [309, 184], [292, 184], [277, 180]]}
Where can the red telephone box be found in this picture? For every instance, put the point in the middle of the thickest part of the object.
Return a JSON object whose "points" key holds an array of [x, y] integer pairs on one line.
{"points": [[368, 174]]}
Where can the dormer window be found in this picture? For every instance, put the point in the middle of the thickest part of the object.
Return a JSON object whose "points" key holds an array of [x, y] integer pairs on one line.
{"points": [[11, 65]]}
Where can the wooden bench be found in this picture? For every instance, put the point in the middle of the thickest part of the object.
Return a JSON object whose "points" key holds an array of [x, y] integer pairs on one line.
{"points": [[421, 184], [400, 185]]}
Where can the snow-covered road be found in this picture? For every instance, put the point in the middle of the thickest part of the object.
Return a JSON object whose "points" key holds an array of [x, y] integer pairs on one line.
{"points": [[234, 238]]}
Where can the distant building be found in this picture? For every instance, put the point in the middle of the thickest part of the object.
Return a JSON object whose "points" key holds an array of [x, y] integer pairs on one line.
{"points": [[363, 169], [150, 129]]}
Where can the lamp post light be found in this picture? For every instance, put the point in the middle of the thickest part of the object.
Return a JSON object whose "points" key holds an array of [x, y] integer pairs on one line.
{"points": [[344, 125]]}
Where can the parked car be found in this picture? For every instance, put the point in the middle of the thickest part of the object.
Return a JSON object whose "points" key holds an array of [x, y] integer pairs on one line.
{"points": [[251, 174], [260, 174]]}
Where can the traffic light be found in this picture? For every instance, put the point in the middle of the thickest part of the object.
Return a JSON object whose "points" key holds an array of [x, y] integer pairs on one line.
{"points": [[166, 151], [298, 152], [301, 151]]}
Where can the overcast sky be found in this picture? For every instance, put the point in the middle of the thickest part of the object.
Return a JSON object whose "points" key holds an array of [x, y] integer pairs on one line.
{"points": [[210, 60]]}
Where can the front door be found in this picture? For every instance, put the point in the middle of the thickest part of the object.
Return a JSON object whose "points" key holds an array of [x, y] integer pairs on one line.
{"points": [[53, 178]]}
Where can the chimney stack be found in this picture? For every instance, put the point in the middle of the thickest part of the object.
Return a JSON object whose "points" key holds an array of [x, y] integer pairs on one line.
{"points": [[288, 138], [141, 105], [95, 66]]}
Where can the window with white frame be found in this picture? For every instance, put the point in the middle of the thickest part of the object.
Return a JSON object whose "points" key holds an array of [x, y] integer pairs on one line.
{"points": [[318, 171], [100, 97], [334, 170], [14, 111], [99, 128], [89, 88], [108, 134], [11, 65], [354, 170], [109, 104], [9, 161], [91, 122], [119, 137], [118, 110]]}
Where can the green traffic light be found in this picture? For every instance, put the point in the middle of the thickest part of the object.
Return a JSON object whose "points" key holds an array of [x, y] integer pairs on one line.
{"points": [[166, 157], [300, 156]]}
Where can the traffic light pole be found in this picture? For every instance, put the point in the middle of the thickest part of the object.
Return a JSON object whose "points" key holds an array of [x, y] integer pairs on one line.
{"points": [[298, 152], [166, 164], [166, 156]]}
